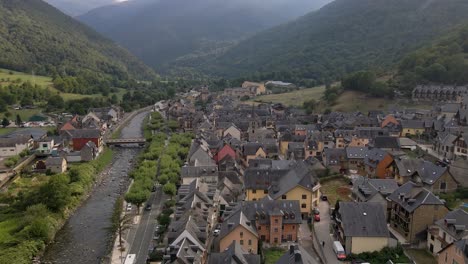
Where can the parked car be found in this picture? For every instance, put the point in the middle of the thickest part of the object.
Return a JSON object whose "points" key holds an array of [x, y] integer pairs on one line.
{"points": [[324, 198], [154, 189], [315, 211], [148, 207], [339, 250], [216, 232], [156, 236], [316, 218], [129, 207]]}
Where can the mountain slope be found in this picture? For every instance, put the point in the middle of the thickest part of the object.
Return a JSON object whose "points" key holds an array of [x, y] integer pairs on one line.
{"points": [[344, 36], [160, 31], [36, 36], [443, 62]]}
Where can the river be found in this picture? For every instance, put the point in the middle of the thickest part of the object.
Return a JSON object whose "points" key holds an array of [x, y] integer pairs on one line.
{"points": [[85, 238]]}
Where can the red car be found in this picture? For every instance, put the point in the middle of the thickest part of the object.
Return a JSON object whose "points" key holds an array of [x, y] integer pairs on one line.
{"points": [[316, 218]]}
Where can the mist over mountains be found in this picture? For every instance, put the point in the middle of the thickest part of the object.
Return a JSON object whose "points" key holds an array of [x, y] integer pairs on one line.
{"points": [[161, 31]]}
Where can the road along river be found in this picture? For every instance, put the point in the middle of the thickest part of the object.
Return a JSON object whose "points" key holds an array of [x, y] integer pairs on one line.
{"points": [[86, 237]]}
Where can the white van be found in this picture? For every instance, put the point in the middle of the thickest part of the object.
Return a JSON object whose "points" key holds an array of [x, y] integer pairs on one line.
{"points": [[339, 250]]}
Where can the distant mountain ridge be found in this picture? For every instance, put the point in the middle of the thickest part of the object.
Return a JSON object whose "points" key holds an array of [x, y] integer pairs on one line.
{"points": [[162, 31], [342, 37], [35, 36]]}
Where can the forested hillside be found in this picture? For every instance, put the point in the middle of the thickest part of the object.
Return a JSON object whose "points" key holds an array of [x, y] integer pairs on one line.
{"points": [[444, 62], [160, 31], [35, 36], [343, 37]]}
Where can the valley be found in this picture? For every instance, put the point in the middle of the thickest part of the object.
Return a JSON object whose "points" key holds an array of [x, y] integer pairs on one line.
{"points": [[234, 131]]}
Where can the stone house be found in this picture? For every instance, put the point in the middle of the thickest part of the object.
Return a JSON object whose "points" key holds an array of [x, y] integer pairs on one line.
{"points": [[56, 165], [456, 252], [452, 228], [414, 209]]}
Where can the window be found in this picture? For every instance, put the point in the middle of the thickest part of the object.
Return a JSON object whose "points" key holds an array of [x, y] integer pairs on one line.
{"points": [[283, 197], [276, 221], [44, 145], [259, 228], [241, 234], [293, 227], [304, 196], [276, 240], [262, 238], [303, 205], [254, 191], [432, 237], [250, 242], [290, 238], [443, 185], [276, 230], [241, 242], [265, 191]]}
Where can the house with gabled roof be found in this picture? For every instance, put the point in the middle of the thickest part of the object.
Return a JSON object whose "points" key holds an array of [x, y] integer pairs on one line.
{"points": [[452, 228], [456, 252], [234, 254], [373, 190], [413, 209], [284, 180], [361, 227], [435, 178]]}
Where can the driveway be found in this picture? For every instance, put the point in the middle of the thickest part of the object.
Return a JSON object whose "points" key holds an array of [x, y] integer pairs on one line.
{"points": [[322, 230]]}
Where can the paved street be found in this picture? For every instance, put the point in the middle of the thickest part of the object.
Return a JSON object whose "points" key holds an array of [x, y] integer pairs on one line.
{"points": [[322, 230], [140, 236], [306, 245]]}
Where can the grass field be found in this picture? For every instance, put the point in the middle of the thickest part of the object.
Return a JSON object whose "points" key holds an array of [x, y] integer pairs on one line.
{"points": [[7, 78], [24, 77], [272, 255], [336, 189], [295, 98], [355, 101], [25, 114], [6, 228], [348, 101]]}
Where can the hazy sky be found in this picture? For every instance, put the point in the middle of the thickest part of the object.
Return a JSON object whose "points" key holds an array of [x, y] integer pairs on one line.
{"points": [[78, 7]]}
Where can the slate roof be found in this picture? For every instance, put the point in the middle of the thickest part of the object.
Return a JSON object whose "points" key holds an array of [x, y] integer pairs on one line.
{"points": [[455, 223], [334, 156], [357, 152], [291, 257], [386, 142], [366, 188], [407, 167], [85, 133], [11, 142], [411, 196], [234, 254], [414, 124], [280, 181], [235, 219], [430, 173], [54, 161], [192, 171], [374, 157], [363, 219], [251, 148], [35, 133], [261, 210]]}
